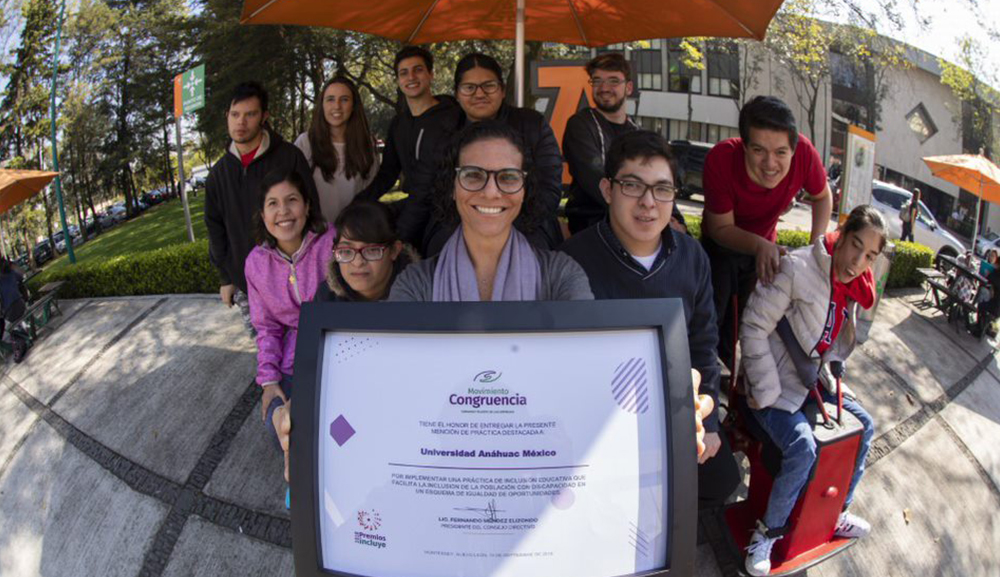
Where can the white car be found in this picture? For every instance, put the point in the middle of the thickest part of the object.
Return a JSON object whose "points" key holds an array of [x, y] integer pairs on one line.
{"points": [[987, 242], [889, 198]]}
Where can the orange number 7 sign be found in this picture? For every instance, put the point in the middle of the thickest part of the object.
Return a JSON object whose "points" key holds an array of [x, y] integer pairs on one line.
{"points": [[568, 82]]}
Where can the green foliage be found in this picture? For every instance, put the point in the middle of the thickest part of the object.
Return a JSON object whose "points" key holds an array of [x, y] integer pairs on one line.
{"points": [[175, 269], [909, 257]]}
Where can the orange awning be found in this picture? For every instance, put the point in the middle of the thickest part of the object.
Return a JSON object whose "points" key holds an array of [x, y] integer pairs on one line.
{"points": [[581, 22], [16, 186]]}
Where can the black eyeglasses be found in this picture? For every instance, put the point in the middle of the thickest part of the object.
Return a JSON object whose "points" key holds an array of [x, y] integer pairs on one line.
{"points": [[468, 88], [371, 252], [637, 189], [474, 178], [609, 82]]}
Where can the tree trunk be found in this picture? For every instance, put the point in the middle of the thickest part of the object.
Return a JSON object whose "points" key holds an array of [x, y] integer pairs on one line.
{"points": [[168, 169]]}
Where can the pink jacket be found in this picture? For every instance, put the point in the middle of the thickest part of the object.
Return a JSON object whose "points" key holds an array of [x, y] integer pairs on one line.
{"points": [[276, 289]]}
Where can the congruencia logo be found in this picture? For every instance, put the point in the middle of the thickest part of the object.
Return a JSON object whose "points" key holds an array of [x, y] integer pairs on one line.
{"points": [[476, 397]]}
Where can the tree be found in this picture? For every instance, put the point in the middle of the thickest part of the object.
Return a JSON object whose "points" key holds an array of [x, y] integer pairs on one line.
{"points": [[971, 81]]}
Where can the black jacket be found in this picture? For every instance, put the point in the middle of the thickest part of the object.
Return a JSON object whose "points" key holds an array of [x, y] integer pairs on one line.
{"points": [[546, 162], [586, 142], [681, 270], [231, 202], [413, 147]]}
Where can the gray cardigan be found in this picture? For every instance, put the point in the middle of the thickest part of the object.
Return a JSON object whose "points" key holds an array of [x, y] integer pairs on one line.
{"points": [[562, 280]]}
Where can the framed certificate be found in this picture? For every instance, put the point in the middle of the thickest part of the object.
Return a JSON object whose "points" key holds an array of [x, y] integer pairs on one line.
{"points": [[515, 439]]}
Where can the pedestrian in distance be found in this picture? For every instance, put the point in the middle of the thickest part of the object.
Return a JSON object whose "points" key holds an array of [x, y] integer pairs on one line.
{"points": [[908, 215], [233, 184], [839, 265], [339, 146]]}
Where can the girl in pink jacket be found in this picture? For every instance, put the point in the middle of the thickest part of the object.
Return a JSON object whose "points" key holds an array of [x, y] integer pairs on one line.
{"points": [[284, 270]]}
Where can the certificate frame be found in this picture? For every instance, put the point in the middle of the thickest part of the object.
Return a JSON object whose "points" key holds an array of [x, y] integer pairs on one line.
{"points": [[664, 316]]}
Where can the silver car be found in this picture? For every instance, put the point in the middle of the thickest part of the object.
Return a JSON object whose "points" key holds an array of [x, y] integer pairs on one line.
{"points": [[889, 199]]}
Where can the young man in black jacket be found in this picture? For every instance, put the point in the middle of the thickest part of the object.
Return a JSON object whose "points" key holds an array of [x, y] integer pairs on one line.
{"points": [[231, 189], [634, 253], [416, 137]]}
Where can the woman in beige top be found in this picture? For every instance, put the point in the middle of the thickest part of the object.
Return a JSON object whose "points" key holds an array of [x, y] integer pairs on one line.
{"points": [[339, 146]]}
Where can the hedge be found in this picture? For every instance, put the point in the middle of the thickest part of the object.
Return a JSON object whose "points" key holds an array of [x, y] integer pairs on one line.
{"points": [[185, 268], [182, 268], [909, 255]]}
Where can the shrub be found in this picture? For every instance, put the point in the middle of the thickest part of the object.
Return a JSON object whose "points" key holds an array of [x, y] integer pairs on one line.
{"points": [[909, 255], [182, 268]]}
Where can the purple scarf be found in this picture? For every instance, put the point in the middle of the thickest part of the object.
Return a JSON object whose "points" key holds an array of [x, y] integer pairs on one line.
{"points": [[517, 279]]}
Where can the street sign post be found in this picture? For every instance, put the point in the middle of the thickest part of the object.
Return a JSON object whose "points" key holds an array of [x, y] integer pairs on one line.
{"points": [[189, 95]]}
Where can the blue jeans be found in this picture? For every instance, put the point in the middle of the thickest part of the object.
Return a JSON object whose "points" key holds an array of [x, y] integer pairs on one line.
{"points": [[792, 433]]}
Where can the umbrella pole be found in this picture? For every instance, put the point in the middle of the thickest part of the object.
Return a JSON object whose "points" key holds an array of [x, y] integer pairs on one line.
{"points": [[975, 228], [519, 54]]}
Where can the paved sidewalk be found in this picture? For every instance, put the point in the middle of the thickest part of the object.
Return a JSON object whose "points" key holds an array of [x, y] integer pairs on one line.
{"points": [[131, 444]]}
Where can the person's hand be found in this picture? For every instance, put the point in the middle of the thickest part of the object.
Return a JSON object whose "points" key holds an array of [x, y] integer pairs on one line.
{"points": [[282, 421], [712, 443], [227, 291], [768, 260], [267, 395], [703, 406]]}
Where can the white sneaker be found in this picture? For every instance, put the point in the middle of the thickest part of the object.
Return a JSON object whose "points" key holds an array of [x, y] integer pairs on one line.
{"points": [[851, 526], [758, 561]]}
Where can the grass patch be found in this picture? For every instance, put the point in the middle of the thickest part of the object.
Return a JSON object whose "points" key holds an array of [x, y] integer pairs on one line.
{"points": [[159, 227]]}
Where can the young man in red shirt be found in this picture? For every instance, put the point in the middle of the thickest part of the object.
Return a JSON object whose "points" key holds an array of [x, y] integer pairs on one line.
{"points": [[748, 183]]}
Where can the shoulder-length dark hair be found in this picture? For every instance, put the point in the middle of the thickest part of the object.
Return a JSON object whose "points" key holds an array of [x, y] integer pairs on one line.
{"points": [[314, 216], [445, 181], [359, 149]]}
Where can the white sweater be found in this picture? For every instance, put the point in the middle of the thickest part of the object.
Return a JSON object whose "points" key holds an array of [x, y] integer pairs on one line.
{"points": [[336, 194]]}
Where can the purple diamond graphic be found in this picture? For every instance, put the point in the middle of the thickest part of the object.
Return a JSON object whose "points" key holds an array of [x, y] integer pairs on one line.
{"points": [[341, 430]]}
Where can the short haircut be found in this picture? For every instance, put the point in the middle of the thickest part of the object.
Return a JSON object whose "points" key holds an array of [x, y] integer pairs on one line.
{"points": [[314, 216], [768, 113], [413, 52], [866, 216], [445, 181], [641, 144], [477, 60], [366, 221], [610, 62], [247, 90]]}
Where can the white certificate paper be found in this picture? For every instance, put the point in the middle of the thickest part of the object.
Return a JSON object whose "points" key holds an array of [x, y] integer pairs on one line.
{"points": [[520, 455]]}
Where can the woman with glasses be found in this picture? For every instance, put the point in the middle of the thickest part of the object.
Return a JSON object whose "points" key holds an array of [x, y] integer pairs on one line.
{"points": [[488, 192], [339, 146], [367, 255], [479, 88]]}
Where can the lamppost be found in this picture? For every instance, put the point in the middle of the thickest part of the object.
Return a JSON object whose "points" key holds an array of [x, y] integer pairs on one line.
{"points": [[55, 154]]}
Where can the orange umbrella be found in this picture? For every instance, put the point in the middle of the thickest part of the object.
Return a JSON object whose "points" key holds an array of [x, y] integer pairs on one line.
{"points": [[973, 172], [581, 22], [16, 186]]}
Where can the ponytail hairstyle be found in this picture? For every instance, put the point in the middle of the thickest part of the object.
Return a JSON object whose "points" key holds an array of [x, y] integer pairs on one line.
{"points": [[359, 148], [863, 217]]}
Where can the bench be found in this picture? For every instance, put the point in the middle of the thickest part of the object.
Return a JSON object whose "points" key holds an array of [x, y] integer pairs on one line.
{"points": [[930, 274], [36, 316]]}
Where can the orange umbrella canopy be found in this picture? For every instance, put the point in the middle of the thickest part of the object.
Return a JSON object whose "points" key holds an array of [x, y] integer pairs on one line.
{"points": [[16, 186], [973, 172], [581, 22]]}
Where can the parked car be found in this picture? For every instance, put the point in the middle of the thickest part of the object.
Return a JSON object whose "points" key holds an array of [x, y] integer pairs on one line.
{"points": [[106, 220], [986, 242], [42, 252], [118, 212], [690, 164], [889, 199]]}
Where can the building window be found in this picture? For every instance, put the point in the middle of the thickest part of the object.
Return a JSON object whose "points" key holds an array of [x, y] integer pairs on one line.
{"points": [[723, 71], [681, 78], [647, 69], [651, 123], [921, 124], [718, 133], [678, 130]]}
